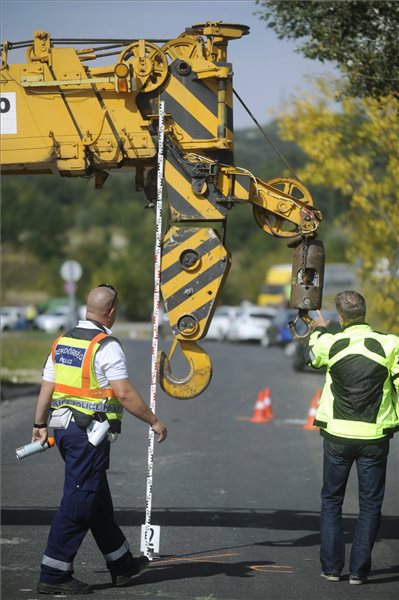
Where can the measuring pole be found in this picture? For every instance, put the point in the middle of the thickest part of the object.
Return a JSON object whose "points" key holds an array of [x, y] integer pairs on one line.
{"points": [[151, 532]]}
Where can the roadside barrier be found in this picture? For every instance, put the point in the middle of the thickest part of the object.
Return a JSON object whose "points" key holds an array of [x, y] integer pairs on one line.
{"points": [[312, 410]]}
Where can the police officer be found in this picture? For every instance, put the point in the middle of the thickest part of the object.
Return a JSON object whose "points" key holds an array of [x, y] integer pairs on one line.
{"points": [[84, 390], [357, 416]]}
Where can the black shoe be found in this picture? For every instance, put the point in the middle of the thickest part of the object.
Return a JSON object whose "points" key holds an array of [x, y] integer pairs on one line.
{"points": [[331, 576], [356, 580], [136, 567], [72, 586]]}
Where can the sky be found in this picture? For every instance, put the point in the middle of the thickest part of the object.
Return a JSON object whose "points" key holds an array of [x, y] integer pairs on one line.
{"points": [[267, 71]]}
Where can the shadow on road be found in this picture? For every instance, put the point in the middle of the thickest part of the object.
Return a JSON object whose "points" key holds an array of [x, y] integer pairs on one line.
{"points": [[197, 568], [202, 567], [388, 571], [271, 519]]}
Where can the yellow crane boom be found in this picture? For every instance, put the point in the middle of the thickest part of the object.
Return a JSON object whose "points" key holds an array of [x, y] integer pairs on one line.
{"points": [[61, 115]]}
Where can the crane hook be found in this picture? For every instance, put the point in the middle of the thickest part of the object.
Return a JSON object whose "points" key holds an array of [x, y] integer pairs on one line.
{"points": [[307, 322], [197, 379]]}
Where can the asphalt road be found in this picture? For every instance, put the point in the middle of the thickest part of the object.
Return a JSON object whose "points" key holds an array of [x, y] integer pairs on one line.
{"points": [[237, 502]]}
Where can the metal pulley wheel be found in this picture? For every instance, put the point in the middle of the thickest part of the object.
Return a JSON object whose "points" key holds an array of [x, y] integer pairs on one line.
{"points": [[293, 188], [273, 224], [149, 63], [183, 47], [276, 225]]}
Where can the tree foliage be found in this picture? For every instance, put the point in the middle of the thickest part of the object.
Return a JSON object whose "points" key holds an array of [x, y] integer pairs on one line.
{"points": [[355, 151], [361, 37]]}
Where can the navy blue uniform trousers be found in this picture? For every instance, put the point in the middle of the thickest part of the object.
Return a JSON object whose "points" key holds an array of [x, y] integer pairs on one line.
{"points": [[86, 504]]}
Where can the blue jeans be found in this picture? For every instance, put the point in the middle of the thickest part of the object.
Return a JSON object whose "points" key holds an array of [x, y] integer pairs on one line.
{"points": [[371, 464]]}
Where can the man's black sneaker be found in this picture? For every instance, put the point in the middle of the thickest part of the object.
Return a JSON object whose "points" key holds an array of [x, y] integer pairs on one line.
{"points": [[136, 567], [331, 576], [356, 580], [72, 586]]}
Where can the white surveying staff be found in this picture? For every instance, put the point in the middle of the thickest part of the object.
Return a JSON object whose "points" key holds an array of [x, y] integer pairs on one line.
{"points": [[151, 532]]}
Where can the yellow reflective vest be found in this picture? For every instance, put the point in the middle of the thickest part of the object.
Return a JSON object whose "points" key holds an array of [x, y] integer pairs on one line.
{"points": [[360, 397], [76, 385]]}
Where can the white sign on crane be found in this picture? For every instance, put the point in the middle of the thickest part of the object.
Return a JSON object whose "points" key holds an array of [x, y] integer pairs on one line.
{"points": [[8, 112]]}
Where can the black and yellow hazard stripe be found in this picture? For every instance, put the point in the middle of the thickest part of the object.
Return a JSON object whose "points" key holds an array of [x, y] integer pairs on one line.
{"points": [[242, 185], [184, 204], [192, 291], [193, 105], [212, 84]]}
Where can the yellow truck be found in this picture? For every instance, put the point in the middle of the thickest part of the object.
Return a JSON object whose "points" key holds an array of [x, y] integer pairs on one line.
{"points": [[275, 290]]}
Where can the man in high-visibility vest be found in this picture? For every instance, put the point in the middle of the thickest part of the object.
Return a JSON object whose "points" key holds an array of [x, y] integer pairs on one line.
{"points": [[357, 416], [84, 390]]}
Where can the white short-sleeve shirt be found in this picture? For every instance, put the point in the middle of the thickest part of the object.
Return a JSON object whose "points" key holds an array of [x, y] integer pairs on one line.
{"points": [[109, 361]]}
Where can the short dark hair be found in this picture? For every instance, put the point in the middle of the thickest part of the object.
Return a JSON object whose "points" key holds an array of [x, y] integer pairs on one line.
{"points": [[351, 306]]}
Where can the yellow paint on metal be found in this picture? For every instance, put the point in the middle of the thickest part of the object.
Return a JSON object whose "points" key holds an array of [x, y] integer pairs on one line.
{"points": [[54, 124], [192, 242], [192, 291], [197, 379], [193, 303], [213, 86], [193, 105], [282, 207], [239, 191], [183, 282], [205, 209]]}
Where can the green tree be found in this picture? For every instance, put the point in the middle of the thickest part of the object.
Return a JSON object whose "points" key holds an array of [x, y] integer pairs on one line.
{"points": [[360, 37], [355, 150], [33, 217]]}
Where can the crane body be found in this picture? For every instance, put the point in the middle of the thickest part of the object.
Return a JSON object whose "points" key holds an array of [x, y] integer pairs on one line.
{"points": [[60, 115]]}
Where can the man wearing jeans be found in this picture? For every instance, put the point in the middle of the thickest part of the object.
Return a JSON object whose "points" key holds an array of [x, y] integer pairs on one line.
{"points": [[357, 416]]}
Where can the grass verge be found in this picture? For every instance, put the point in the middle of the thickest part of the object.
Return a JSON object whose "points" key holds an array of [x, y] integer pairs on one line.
{"points": [[23, 356]]}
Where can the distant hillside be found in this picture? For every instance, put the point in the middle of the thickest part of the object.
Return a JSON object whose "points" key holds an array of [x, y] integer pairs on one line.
{"points": [[256, 154]]}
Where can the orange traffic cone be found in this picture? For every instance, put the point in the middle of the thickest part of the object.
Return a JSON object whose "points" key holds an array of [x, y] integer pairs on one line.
{"points": [[312, 409], [267, 405], [258, 415]]}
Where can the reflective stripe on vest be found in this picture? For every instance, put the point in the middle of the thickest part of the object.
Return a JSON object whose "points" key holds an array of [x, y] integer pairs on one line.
{"points": [[84, 392], [74, 360], [96, 406]]}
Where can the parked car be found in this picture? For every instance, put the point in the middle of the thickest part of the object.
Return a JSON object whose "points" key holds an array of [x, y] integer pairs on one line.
{"points": [[12, 317], [250, 323], [279, 334], [56, 319], [221, 322], [298, 354]]}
